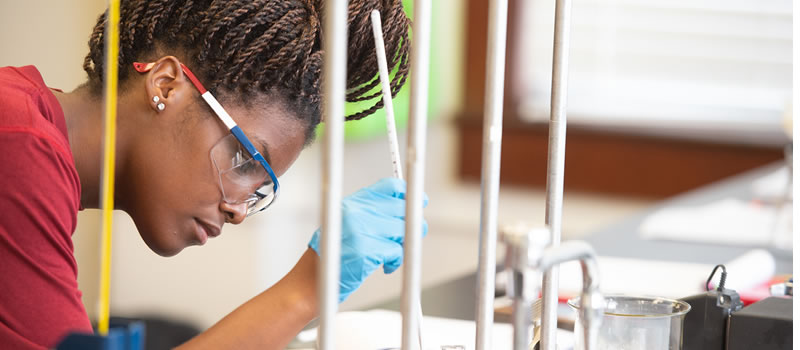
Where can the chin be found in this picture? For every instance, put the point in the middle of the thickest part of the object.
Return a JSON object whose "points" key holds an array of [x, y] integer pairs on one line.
{"points": [[166, 252], [161, 236], [163, 244]]}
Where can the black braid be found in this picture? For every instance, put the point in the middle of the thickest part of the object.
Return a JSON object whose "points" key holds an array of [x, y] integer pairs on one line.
{"points": [[247, 47]]}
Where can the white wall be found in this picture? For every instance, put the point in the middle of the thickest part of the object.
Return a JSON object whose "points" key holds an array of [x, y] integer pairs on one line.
{"points": [[53, 35]]}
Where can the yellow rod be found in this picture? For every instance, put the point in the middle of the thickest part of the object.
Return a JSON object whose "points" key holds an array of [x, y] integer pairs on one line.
{"points": [[110, 139]]}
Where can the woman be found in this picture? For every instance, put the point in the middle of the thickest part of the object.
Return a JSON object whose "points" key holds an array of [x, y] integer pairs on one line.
{"points": [[184, 164]]}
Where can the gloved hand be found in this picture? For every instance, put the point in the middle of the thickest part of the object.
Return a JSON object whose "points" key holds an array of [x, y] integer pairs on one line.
{"points": [[373, 229]]}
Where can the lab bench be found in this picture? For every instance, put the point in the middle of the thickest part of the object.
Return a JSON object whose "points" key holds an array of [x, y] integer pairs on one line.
{"points": [[456, 298]]}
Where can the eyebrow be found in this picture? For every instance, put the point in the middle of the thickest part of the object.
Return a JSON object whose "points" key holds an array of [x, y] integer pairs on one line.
{"points": [[265, 153]]}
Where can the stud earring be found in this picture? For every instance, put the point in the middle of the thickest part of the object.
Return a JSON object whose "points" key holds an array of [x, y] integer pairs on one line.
{"points": [[161, 105]]}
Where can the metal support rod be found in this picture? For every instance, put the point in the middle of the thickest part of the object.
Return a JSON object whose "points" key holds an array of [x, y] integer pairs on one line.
{"points": [[335, 73], [555, 165], [490, 172], [417, 125], [521, 317]]}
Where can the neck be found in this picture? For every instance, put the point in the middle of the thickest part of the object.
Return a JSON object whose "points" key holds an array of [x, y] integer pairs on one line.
{"points": [[84, 117]]}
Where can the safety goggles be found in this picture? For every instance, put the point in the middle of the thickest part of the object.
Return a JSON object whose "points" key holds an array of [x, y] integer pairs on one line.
{"points": [[244, 174]]}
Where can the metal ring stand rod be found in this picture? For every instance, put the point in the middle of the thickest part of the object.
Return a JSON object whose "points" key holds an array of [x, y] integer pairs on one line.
{"points": [[555, 165], [490, 172], [335, 74], [415, 163]]}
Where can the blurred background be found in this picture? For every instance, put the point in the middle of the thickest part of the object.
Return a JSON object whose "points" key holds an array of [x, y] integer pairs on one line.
{"points": [[665, 96]]}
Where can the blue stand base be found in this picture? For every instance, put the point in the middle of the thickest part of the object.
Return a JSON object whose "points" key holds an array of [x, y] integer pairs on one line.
{"points": [[121, 336]]}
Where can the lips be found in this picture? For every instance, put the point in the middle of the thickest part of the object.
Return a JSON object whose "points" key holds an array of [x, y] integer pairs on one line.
{"points": [[206, 230]]}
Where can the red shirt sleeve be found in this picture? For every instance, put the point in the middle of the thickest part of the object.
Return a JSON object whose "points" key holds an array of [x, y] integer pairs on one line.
{"points": [[39, 199]]}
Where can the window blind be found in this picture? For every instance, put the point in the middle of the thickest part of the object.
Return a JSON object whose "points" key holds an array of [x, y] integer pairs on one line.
{"points": [[706, 69]]}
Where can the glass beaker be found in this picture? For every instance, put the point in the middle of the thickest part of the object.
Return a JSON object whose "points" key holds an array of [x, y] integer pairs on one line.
{"points": [[636, 323]]}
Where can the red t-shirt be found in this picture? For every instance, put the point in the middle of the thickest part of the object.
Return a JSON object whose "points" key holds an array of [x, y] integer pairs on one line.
{"points": [[39, 202]]}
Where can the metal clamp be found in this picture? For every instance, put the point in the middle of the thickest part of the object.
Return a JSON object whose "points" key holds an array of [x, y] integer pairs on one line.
{"points": [[527, 256]]}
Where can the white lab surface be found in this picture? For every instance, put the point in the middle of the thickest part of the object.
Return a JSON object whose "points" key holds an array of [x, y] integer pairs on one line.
{"points": [[381, 330], [668, 279]]}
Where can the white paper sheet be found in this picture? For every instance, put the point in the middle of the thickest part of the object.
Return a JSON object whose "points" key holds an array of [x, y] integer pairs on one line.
{"points": [[730, 221], [775, 185]]}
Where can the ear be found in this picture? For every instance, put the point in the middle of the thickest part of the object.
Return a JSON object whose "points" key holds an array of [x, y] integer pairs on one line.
{"points": [[168, 86]]}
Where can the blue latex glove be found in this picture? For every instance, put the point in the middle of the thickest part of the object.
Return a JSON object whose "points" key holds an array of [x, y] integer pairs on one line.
{"points": [[373, 229]]}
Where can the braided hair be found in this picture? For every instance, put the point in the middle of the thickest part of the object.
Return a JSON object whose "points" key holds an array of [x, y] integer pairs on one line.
{"points": [[246, 47]]}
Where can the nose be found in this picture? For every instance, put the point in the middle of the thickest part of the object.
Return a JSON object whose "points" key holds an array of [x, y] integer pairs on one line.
{"points": [[234, 213]]}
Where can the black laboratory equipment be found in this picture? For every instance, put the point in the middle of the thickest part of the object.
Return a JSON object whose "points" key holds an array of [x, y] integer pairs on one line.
{"points": [[718, 320]]}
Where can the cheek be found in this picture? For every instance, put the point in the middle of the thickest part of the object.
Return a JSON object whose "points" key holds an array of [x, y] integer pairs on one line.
{"points": [[166, 185], [167, 203], [181, 179], [187, 174], [201, 180]]}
